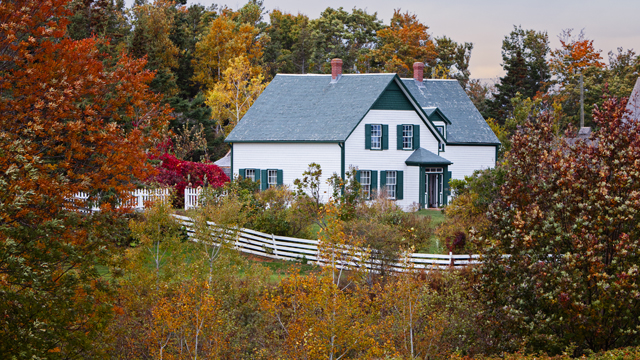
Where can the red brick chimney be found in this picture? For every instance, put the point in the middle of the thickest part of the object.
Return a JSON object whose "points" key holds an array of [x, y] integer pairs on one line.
{"points": [[336, 69], [418, 71]]}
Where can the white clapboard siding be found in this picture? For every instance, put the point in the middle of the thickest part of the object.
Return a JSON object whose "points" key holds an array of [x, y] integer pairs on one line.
{"points": [[392, 159], [292, 158], [287, 248], [467, 159]]}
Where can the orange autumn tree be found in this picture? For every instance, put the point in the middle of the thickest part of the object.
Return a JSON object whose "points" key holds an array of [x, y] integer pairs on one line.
{"points": [[404, 42], [575, 54], [67, 124]]}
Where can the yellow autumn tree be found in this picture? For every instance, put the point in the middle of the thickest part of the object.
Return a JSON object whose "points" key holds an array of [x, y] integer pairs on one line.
{"points": [[189, 324], [226, 40], [230, 98], [327, 315]]}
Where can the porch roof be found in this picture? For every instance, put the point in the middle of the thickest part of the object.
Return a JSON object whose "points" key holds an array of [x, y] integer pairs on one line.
{"points": [[425, 157]]}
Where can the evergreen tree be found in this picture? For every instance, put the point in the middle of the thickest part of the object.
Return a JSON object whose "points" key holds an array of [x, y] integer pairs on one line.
{"points": [[524, 55], [453, 58], [349, 36], [290, 47], [104, 19]]}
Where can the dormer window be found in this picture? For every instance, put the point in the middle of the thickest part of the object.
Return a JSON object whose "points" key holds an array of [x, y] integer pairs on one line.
{"points": [[441, 130]]}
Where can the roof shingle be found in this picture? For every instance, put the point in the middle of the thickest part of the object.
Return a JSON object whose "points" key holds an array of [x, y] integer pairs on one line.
{"points": [[467, 125], [310, 108]]}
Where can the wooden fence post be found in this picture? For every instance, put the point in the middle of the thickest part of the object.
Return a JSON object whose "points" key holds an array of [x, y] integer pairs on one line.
{"points": [[275, 246], [451, 262]]}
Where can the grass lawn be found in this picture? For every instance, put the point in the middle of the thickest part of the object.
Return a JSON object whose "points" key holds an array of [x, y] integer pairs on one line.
{"points": [[437, 217], [435, 246]]}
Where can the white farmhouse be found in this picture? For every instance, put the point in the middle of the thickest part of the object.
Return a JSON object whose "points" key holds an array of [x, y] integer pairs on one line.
{"points": [[407, 137]]}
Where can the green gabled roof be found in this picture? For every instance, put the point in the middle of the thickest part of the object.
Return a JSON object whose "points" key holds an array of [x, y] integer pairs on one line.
{"points": [[310, 108], [467, 125], [393, 98], [425, 157], [435, 114]]}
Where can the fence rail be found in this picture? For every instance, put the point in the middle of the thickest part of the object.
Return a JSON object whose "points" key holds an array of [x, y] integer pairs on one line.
{"points": [[293, 249]]}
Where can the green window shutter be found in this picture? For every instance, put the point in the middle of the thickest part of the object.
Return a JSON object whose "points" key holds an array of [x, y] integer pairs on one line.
{"points": [[242, 174], [383, 179], [374, 182], [385, 137], [399, 137], [358, 176], [279, 178], [257, 174], [399, 185], [416, 137], [367, 137], [264, 180]]}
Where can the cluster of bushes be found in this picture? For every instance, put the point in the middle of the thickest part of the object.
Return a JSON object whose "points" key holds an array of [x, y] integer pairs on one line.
{"points": [[180, 174], [380, 223], [179, 299]]}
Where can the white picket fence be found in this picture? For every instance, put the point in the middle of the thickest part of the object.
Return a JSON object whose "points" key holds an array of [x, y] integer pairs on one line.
{"points": [[293, 249], [191, 197], [139, 198]]}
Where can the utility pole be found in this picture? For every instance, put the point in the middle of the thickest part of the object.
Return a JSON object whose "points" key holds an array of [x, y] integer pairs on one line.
{"points": [[581, 101]]}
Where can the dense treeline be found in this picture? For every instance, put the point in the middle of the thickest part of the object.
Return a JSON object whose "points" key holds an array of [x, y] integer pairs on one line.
{"points": [[540, 79], [200, 54]]}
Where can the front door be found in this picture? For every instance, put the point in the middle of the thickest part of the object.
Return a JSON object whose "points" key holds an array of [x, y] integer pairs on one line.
{"points": [[433, 179]]}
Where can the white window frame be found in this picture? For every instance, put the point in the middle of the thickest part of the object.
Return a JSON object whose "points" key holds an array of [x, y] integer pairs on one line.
{"points": [[392, 182], [407, 137], [250, 174], [376, 140], [365, 184], [272, 178]]}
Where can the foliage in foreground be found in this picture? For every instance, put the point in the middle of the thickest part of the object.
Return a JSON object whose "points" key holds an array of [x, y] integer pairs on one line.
{"points": [[567, 215], [176, 301], [68, 123]]}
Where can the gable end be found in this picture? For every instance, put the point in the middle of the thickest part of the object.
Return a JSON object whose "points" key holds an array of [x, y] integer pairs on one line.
{"points": [[392, 99]]}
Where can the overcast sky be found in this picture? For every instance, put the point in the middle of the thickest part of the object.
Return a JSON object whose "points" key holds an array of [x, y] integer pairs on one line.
{"points": [[611, 24]]}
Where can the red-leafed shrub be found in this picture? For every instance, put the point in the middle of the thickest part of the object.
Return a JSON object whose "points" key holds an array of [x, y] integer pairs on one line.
{"points": [[180, 173]]}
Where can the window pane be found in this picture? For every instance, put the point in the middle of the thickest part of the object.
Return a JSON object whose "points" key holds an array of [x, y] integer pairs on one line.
{"points": [[365, 183], [273, 177], [250, 174], [376, 136], [407, 136], [391, 184]]}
